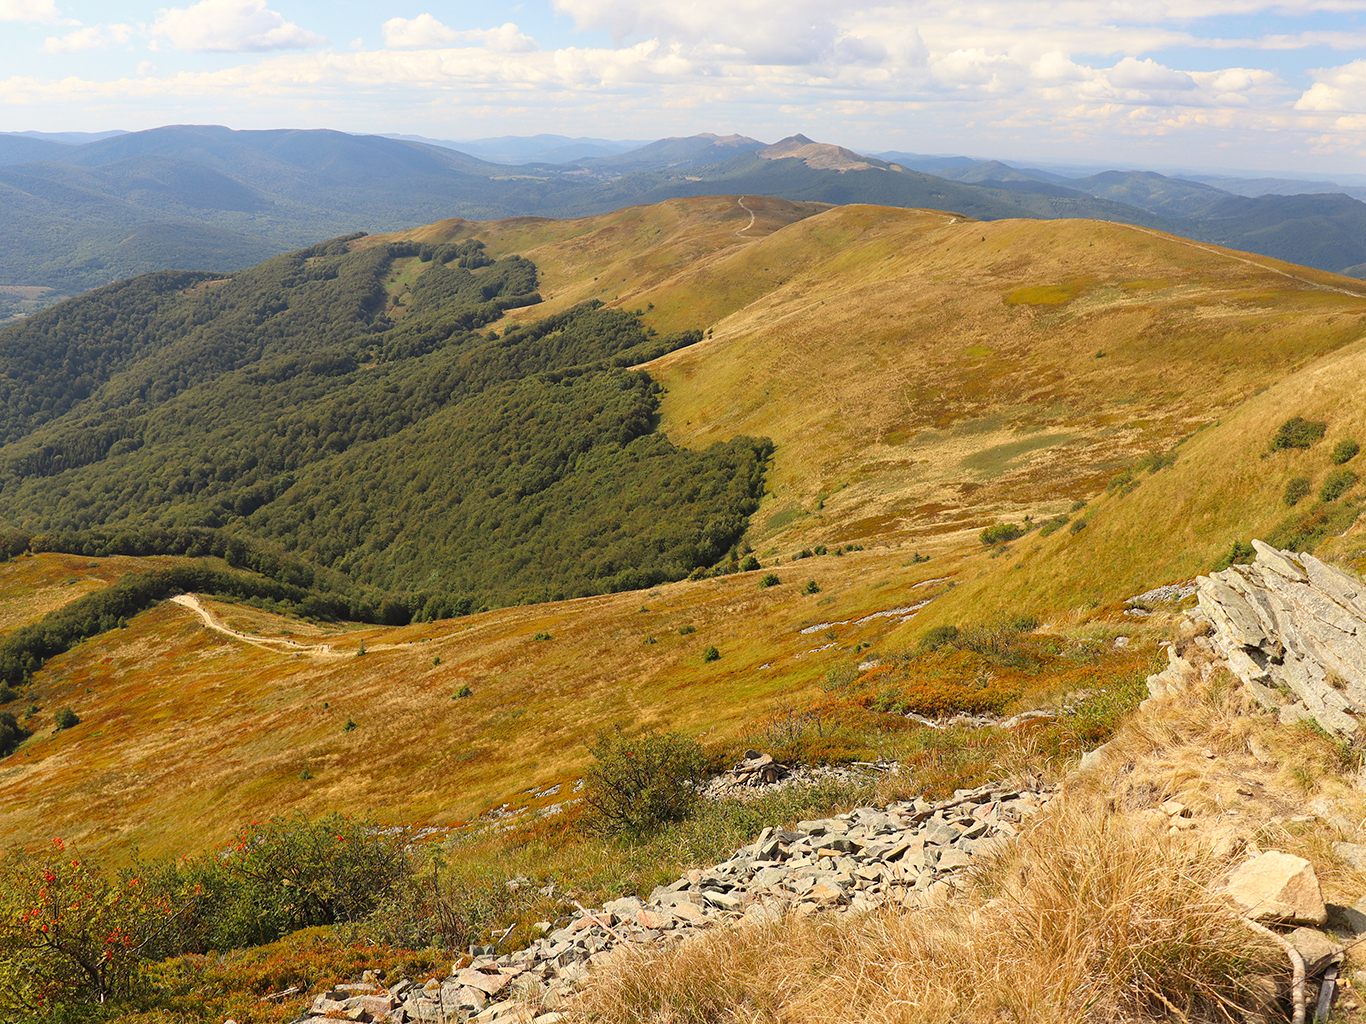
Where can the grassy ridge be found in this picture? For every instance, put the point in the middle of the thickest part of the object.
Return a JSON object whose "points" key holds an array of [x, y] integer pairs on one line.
{"points": [[941, 408]]}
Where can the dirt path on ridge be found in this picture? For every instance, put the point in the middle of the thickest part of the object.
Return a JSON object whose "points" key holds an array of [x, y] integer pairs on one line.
{"points": [[752, 215], [270, 643]]}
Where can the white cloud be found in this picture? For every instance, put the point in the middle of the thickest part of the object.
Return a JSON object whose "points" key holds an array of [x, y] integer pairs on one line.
{"points": [[1339, 89], [426, 33], [1055, 67], [421, 33], [42, 11], [232, 26], [1147, 74], [91, 37]]}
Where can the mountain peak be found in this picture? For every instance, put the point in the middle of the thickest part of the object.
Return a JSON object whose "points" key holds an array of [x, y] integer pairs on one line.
{"points": [[820, 156]]}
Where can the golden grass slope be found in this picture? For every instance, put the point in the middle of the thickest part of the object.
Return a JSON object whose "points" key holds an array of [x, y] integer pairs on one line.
{"points": [[186, 732]]}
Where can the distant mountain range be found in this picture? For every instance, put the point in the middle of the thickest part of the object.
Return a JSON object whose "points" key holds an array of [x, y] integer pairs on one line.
{"points": [[81, 211]]}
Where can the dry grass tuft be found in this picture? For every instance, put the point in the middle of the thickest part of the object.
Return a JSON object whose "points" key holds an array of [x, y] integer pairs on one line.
{"points": [[1088, 918]]}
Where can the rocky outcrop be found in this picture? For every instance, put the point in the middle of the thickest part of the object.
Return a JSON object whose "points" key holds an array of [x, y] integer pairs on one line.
{"points": [[907, 854], [1294, 631]]}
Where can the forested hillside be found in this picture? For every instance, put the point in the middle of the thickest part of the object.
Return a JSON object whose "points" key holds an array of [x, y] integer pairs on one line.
{"points": [[342, 409]]}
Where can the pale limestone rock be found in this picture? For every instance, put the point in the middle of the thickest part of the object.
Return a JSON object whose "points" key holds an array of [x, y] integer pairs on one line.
{"points": [[1277, 886]]}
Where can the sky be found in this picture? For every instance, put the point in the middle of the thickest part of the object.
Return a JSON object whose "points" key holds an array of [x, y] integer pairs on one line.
{"points": [[1237, 85]]}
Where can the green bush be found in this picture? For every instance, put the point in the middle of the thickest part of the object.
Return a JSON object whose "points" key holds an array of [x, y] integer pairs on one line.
{"points": [[11, 733], [750, 564], [1297, 432], [637, 784], [685, 629], [66, 719], [1295, 490], [1051, 526], [279, 876], [770, 580], [1023, 623], [820, 549], [350, 726], [542, 636], [1077, 526], [812, 587], [1337, 483], [1345, 451], [938, 637], [1002, 533], [464, 691], [71, 936], [710, 653]]}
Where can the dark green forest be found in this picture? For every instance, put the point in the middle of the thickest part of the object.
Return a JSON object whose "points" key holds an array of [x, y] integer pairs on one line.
{"points": [[345, 421]]}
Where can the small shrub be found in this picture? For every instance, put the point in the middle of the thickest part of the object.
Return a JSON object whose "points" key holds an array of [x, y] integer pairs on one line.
{"points": [[750, 564], [1077, 526], [1122, 483], [710, 653], [1337, 483], [436, 660], [1297, 432], [771, 580], [7, 694], [812, 587], [464, 691], [1345, 451], [360, 651], [1002, 533], [70, 935], [917, 558], [686, 629], [1295, 490], [938, 637], [803, 553], [350, 726], [1154, 461], [649, 640], [1051, 526], [700, 573], [1022, 623], [637, 784], [820, 549], [67, 719]]}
